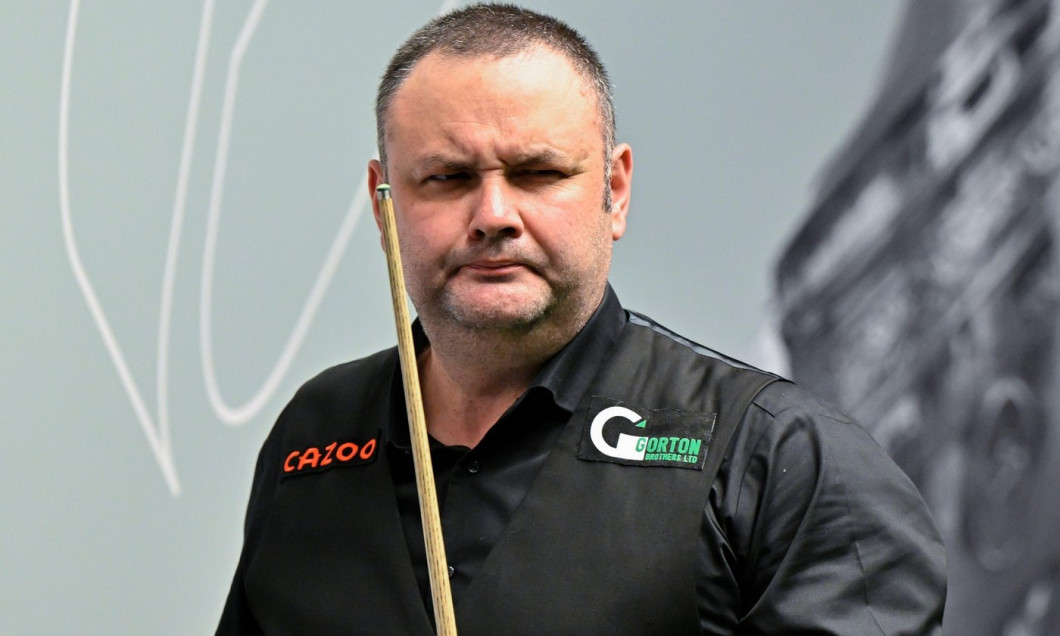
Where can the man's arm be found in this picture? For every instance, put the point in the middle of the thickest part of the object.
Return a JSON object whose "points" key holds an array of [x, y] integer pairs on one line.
{"points": [[811, 527]]}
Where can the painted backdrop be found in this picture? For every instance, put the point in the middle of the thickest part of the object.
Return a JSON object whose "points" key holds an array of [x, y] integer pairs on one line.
{"points": [[184, 240]]}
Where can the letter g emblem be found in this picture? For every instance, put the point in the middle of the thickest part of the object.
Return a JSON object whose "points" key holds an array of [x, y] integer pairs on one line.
{"points": [[627, 447]]}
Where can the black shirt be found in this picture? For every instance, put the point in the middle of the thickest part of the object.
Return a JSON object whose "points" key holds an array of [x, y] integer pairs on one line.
{"points": [[755, 539], [807, 528], [479, 489]]}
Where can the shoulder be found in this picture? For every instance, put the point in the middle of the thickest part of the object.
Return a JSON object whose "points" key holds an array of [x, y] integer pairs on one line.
{"points": [[807, 495], [794, 441], [685, 372], [787, 424], [664, 339], [341, 399], [784, 411], [357, 376]]}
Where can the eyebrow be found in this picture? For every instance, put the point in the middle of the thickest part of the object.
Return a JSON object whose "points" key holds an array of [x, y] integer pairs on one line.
{"points": [[449, 163], [543, 156]]}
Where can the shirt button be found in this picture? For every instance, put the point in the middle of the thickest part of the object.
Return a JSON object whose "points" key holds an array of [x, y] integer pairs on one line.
{"points": [[452, 571], [472, 467]]}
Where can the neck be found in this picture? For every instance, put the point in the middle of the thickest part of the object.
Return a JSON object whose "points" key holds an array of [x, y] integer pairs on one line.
{"points": [[463, 402], [470, 378]]}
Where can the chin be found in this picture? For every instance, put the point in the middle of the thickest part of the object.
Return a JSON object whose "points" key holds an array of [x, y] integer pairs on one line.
{"points": [[497, 318], [500, 311]]}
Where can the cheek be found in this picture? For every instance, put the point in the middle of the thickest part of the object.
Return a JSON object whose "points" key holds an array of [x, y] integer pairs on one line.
{"points": [[424, 234], [580, 241], [578, 208], [418, 260]]}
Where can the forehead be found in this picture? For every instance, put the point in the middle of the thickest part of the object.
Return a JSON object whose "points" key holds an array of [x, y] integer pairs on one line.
{"points": [[509, 92]]}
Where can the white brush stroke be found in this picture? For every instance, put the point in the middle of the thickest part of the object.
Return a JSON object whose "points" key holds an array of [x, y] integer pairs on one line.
{"points": [[157, 430]]}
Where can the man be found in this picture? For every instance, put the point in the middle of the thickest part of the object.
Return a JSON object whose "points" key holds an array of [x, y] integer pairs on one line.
{"points": [[575, 444]]}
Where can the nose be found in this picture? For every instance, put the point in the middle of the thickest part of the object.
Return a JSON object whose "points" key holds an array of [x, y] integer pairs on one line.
{"points": [[495, 213]]}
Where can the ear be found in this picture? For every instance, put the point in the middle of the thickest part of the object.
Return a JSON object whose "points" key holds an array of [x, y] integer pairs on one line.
{"points": [[621, 188], [376, 177]]}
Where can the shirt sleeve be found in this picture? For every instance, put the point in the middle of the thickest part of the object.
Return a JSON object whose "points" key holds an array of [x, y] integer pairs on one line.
{"points": [[811, 528]]}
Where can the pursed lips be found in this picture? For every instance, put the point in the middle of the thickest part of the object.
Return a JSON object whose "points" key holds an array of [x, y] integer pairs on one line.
{"points": [[495, 265], [492, 267]]}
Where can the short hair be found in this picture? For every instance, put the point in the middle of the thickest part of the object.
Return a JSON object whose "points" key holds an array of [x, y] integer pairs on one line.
{"points": [[496, 30]]}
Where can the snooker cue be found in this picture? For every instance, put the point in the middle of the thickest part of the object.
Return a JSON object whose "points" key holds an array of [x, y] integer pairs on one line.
{"points": [[437, 568]]}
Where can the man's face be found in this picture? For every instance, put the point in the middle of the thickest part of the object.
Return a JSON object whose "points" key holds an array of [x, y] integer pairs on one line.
{"points": [[497, 173]]}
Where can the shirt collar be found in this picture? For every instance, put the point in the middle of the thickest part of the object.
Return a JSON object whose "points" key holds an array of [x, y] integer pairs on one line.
{"points": [[566, 376]]}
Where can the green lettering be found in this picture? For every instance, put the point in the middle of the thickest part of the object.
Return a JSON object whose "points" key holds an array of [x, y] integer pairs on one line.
{"points": [[693, 446]]}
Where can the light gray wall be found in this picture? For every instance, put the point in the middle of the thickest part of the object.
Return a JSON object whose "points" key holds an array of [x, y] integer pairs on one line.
{"points": [[112, 526]]}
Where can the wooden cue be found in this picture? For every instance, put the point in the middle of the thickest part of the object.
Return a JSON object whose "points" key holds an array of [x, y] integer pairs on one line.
{"points": [[444, 618]]}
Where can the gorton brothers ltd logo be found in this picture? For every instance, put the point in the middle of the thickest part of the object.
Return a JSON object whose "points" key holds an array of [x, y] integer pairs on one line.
{"points": [[643, 437]]}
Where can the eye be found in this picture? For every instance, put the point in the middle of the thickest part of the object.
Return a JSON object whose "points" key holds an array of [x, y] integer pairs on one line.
{"points": [[449, 176], [544, 174]]}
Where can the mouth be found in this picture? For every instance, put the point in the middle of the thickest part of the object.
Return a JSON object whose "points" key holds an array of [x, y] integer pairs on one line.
{"points": [[493, 269]]}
